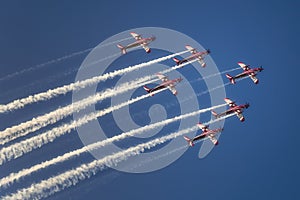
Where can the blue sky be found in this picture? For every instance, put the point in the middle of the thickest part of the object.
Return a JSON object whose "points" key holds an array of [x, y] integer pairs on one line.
{"points": [[256, 159]]}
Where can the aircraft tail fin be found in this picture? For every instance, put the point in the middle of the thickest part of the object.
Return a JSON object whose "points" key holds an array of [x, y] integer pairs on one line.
{"points": [[231, 79], [123, 49], [190, 142], [148, 90], [214, 114], [177, 61]]}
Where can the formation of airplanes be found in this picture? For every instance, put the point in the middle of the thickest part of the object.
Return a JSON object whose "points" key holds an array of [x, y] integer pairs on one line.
{"points": [[170, 84]]}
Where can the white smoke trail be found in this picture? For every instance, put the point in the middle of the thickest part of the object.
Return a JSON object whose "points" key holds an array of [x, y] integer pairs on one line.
{"points": [[39, 66], [151, 159], [39, 122], [18, 149], [35, 124], [216, 74], [20, 103], [16, 176], [54, 77], [219, 86], [72, 177]]}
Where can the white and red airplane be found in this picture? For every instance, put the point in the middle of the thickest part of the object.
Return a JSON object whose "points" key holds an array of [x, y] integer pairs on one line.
{"points": [[206, 132], [195, 55], [166, 83], [247, 72], [233, 109], [139, 42]]}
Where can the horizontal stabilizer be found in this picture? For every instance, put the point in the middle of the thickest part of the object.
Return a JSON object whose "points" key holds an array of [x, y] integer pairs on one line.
{"points": [[123, 49], [147, 89], [190, 142], [231, 79], [214, 113], [176, 60]]}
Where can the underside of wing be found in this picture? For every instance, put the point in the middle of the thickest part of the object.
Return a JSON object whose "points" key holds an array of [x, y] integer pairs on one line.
{"points": [[230, 102], [146, 48], [163, 78], [254, 79], [201, 61], [136, 36], [202, 127], [213, 139], [191, 49], [172, 89], [243, 66], [240, 116]]}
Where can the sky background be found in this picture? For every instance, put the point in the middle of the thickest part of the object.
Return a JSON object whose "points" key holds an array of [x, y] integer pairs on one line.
{"points": [[256, 159]]}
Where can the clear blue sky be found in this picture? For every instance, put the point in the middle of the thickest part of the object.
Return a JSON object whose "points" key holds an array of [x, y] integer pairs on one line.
{"points": [[256, 159]]}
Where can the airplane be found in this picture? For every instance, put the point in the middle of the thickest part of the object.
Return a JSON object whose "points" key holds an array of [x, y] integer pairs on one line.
{"points": [[206, 132], [166, 83], [139, 41], [247, 72], [233, 109], [195, 55]]}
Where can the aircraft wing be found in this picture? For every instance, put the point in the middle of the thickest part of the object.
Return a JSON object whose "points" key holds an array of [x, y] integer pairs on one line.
{"points": [[254, 79], [230, 102], [191, 49], [213, 139], [146, 48], [136, 36], [173, 89], [243, 66], [202, 127], [163, 78], [240, 116], [201, 61]]}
